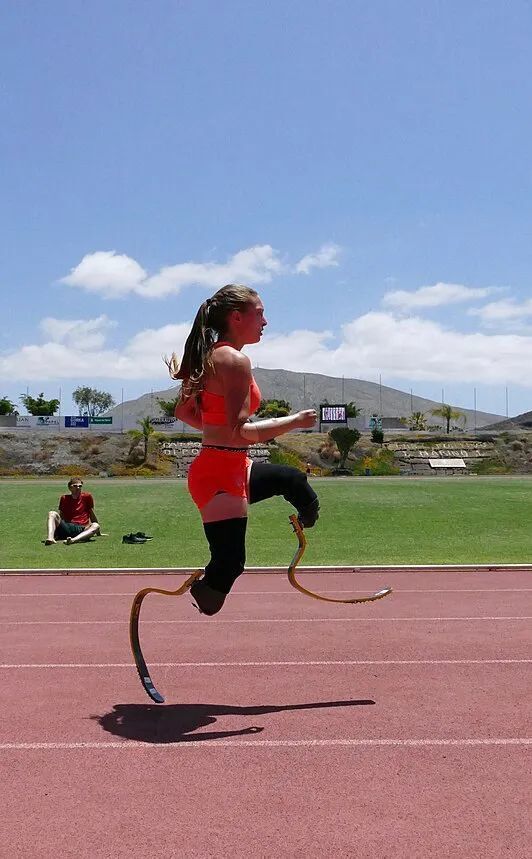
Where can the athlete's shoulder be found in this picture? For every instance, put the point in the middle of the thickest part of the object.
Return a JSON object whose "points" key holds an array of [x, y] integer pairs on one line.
{"points": [[226, 357]]}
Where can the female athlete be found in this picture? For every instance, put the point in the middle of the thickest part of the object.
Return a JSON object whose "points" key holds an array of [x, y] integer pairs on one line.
{"points": [[218, 396]]}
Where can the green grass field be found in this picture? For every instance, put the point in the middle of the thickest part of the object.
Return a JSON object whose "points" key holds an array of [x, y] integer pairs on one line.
{"points": [[373, 521]]}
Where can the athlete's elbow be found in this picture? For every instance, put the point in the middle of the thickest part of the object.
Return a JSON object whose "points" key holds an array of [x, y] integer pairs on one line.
{"points": [[183, 411], [241, 429]]}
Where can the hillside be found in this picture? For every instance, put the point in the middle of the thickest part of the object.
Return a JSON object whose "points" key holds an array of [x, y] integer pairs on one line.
{"points": [[519, 422], [305, 390]]}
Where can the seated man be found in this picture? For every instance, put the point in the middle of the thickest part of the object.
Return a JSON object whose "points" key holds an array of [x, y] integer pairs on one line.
{"points": [[76, 520]]}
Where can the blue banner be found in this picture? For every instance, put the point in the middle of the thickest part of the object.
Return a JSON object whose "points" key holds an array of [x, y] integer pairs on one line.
{"points": [[76, 421]]}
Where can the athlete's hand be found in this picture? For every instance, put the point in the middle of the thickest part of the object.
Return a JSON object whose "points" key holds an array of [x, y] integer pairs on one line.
{"points": [[307, 418]]}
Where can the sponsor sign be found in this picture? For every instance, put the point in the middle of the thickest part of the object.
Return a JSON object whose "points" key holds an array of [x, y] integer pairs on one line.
{"points": [[47, 421], [162, 421], [336, 414], [101, 420], [38, 421], [76, 421]]}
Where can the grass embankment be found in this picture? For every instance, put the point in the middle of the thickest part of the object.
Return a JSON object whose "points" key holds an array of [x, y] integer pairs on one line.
{"points": [[447, 521]]}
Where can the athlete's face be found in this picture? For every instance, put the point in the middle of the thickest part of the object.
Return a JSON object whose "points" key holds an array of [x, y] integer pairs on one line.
{"points": [[252, 321]]}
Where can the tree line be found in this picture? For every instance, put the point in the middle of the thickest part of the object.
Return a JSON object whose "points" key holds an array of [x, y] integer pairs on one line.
{"points": [[91, 403]]}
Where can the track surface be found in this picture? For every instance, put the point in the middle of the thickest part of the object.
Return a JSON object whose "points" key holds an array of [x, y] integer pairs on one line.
{"points": [[293, 728]]}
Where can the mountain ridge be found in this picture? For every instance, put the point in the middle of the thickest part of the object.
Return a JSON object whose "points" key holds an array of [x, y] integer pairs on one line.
{"points": [[308, 390]]}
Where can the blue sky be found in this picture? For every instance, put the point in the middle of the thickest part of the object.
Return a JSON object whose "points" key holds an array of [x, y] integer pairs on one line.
{"points": [[365, 166]]}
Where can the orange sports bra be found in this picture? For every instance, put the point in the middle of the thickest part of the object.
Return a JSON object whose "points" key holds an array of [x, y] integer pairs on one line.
{"points": [[212, 406]]}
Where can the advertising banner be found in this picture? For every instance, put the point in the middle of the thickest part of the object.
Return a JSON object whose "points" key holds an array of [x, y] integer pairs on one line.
{"points": [[336, 414], [38, 421], [101, 421], [76, 421]]}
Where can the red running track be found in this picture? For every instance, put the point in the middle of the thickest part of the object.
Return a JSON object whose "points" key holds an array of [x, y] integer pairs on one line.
{"points": [[293, 727]]}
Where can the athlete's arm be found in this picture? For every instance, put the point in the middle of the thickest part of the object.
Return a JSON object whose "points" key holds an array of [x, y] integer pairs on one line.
{"points": [[188, 412], [236, 376]]}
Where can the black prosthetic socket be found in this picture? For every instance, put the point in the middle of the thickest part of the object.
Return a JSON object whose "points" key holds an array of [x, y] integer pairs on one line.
{"points": [[267, 479], [227, 542], [207, 599]]}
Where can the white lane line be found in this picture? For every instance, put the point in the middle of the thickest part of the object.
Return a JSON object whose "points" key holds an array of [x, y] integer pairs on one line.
{"points": [[314, 569], [291, 592], [313, 662], [351, 619], [315, 743]]}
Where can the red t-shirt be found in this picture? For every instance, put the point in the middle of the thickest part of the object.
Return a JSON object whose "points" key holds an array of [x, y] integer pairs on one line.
{"points": [[76, 510]]}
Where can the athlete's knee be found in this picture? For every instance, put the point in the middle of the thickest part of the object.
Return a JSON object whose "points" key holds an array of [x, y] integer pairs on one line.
{"points": [[309, 515], [301, 494]]}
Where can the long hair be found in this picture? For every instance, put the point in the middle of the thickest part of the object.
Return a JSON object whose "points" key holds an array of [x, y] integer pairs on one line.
{"points": [[209, 326]]}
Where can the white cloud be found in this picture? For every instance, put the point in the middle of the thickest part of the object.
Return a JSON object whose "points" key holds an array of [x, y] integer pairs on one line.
{"points": [[251, 266], [108, 273], [410, 349], [325, 257], [378, 342], [300, 349], [81, 334], [504, 311], [419, 349], [433, 296], [114, 275], [141, 358]]}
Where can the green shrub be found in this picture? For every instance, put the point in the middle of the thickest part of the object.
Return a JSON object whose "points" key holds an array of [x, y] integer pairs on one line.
{"points": [[490, 466], [345, 439], [76, 470], [286, 457], [381, 463]]}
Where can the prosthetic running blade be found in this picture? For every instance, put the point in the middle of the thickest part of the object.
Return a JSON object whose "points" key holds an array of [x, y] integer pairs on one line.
{"points": [[378, 595], [134, 640], [140, 662]]}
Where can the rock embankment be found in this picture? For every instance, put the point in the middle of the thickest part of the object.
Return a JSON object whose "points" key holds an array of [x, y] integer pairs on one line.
{"points": [[41, 452], [184, 452], [440, 458], [26, 453]]}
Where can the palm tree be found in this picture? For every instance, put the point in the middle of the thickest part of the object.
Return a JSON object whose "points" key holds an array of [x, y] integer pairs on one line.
{"points": [[448, 414], [145, 431], [353, 411], [417, 421]]}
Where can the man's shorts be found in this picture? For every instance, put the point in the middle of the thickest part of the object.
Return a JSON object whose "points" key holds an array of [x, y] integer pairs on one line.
{"points": [[68, 529]]}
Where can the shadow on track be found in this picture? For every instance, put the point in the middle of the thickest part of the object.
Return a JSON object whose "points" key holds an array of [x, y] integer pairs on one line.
{"points": [[150, 723]]}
